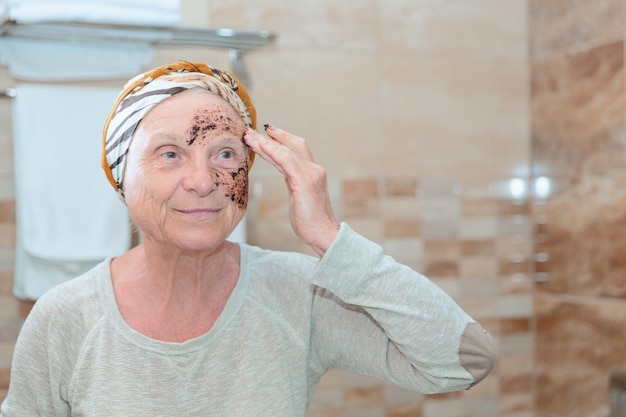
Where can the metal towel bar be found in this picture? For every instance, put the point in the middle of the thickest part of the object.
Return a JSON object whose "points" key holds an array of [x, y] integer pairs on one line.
{"points": [[8, 93], [238, 42]]}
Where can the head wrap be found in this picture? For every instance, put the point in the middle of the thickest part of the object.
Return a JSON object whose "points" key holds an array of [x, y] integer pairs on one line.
{"points": [[146, 90]]}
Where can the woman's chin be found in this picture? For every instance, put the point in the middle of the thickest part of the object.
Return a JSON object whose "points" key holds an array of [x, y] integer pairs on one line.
{"points": [[194, 241]]}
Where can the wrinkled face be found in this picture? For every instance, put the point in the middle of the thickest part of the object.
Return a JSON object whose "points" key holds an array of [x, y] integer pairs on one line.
{"points": [[186, 179]]}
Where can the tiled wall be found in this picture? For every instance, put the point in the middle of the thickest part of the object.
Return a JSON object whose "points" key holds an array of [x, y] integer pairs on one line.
{"points": [[419, 110], [578, 137]]}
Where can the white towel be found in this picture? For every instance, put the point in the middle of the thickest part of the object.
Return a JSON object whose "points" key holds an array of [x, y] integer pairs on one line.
{"points": [[68, 216], [163, 13], [39, 60], [150, 4]]}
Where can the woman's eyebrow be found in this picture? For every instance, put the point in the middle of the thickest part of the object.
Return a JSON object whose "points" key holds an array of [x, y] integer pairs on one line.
{"points": [[165, 137], [232, 140]]}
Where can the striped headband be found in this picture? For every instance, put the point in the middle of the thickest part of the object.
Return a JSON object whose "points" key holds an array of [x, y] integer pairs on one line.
{"points": [[146, 90]]}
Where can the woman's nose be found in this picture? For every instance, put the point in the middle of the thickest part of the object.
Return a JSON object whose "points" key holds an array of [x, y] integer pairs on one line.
{"points": [[199, 178]]}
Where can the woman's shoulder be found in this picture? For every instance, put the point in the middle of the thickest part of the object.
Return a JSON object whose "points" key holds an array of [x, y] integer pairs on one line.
{"points": [[269, 262], [77, 301]]}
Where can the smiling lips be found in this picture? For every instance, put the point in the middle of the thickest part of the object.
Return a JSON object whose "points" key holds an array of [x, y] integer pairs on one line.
{"points": [[199, 212]]}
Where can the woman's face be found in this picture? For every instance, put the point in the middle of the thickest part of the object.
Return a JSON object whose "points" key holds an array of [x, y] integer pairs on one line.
{"points": [[186, 179]]}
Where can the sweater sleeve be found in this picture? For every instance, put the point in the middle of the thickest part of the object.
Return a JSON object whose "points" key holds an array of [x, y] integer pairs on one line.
{"points": [[376, 317], [38, 372]]}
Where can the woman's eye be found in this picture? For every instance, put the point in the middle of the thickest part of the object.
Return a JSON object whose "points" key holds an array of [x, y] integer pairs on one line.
{"points": [[169, 155], [226, 155]]}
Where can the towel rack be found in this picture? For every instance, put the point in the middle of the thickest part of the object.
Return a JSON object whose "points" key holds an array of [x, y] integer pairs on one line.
{"points": [[238, 42], [8, 92]]}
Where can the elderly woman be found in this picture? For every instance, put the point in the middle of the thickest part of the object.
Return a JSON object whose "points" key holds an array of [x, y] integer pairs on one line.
{"points": [[190, 324]]}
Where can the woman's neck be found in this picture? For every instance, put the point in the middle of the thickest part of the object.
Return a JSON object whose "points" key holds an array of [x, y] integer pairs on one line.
{"points": [[172, 295]]}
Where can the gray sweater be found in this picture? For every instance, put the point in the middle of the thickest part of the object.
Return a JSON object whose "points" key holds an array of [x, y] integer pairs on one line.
{"points": [[289, 319]]}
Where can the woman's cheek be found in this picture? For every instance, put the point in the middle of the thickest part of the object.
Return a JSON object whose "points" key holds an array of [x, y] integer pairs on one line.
{"points": [[235, 185]]}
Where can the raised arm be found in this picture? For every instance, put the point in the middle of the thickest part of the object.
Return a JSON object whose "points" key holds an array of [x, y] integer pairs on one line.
{"points": [[377, 317], [373, 315]]}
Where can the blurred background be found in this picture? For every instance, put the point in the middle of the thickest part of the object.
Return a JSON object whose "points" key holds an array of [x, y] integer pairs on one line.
{"points": [[481, 142]]}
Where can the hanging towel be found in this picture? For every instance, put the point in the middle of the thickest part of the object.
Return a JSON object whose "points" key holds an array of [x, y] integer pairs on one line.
{"points": [[162, 13], [68, 219], [47, 60]]}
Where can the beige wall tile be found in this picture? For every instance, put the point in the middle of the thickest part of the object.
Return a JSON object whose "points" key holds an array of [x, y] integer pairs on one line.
{"points": [[10, 306], [486, 28], [478, 228], [517, 402], [7, 235], [7, 211], [407, 410], [6, 281], [579, 340], [559, 25], [326, 400], [370, 411], [475, 268], [430, 107], [516, 283], [396, 396], [330, 99], [515, 306], [443, 408], [340, 25], [194, 13], [400, 208], [361, 381], [9, 328], [7, 257], [401, 187], [6, 141], [487, 389], [362, 396], [515, 344], [372, 229], [481, 308], [479, 287], [6, 354], [584, 244], [515, 364], [7, 188], [578, 118], [325, 414], [408, 251], [333, 378], [481, 407], [478, 247]]}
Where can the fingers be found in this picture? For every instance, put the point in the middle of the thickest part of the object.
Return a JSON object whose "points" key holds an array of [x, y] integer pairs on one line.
{"points": [[291, 141], [269, 150], [280, 148]]}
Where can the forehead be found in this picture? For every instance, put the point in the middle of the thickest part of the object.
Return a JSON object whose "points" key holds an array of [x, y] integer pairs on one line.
{"points": [[194, 117], [194, 99], [192, 105]]}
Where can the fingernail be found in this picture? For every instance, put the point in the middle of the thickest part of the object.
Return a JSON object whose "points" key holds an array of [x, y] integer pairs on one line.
{"points": [[268, 126]]}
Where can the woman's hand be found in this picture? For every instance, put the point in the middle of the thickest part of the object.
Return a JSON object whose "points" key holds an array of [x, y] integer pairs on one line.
{"points": [[310, 212]]}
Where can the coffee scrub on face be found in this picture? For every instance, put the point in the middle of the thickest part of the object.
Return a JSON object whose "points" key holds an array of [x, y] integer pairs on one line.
{"points": [[219, 121]]}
